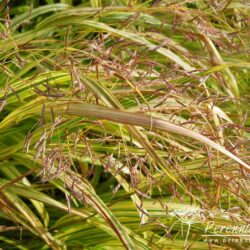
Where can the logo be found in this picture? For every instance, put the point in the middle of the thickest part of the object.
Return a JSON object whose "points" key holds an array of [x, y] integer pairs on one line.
{"points": [[213, 231]]}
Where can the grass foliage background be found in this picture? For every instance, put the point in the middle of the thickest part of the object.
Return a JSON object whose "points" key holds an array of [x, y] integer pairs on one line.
{"points": [[120, 120]]}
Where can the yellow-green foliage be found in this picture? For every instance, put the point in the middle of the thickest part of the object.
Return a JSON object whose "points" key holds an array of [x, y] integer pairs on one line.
{"points": [[123, 124]]}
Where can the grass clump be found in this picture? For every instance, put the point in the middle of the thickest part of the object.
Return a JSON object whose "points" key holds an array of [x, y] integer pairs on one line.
{"points": [[124, 124]]}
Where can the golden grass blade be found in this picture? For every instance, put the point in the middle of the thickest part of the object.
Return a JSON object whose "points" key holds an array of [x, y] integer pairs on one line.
{"points": [[143, 121]]}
